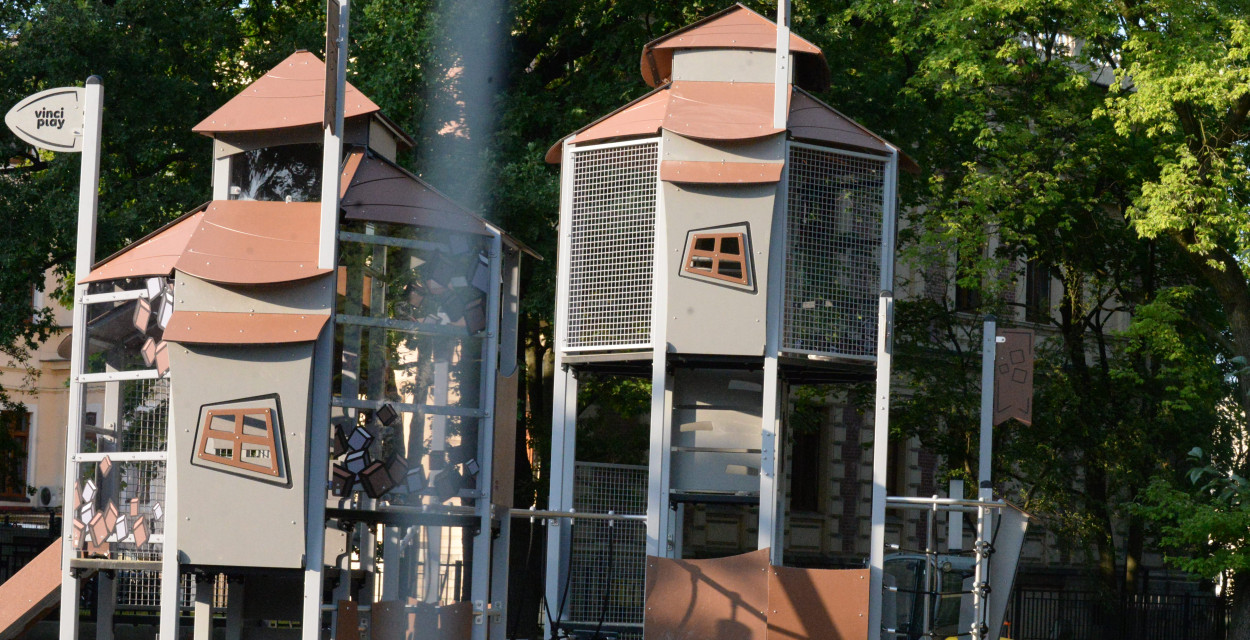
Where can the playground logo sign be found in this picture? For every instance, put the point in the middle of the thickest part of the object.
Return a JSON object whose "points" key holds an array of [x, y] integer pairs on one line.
{"points": [[50, 120]]}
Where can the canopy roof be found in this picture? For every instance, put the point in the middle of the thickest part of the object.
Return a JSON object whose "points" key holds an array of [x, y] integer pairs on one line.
{"points": [[730, 111], [260, 242], [734, 28], [291, 94]]}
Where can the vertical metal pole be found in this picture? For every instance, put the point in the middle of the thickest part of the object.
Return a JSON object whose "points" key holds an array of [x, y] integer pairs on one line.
{"points": [[985, 487], [560, 496], [171, 579], [955, 519], [480, 586], [781, 102], [770, 468], [660, 449], [880, 448], [88, 201], [881, 421], [985, 490], [323, 350], [202, 620]]}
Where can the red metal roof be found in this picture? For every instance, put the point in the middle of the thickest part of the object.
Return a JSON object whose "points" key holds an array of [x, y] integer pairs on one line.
{"points": [[703, 110], [153, 255], [254, 242], [220, 327], [813, 120], [291, 94], [734, 28], [721, 110]]}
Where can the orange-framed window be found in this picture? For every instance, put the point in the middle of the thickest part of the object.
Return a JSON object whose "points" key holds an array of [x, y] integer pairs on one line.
{"points": [[14, 449], [719, 255]]}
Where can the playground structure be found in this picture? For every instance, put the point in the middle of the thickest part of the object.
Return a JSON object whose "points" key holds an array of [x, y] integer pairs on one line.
{"points": [[315, 402]]}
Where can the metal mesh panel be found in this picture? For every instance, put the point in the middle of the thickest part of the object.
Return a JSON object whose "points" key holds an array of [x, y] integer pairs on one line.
{"points": [[611, 240], [145, 415], [600, 488], [834, 204]]}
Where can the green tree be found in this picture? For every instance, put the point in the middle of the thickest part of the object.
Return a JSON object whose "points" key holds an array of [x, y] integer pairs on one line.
{"points": [[1029, 159]]}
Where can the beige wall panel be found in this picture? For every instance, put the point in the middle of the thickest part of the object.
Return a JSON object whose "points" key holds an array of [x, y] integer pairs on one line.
{"points": [[704, 317], [234, 519], [722, 65], [770, 149], [381, 140], [305, 296]]}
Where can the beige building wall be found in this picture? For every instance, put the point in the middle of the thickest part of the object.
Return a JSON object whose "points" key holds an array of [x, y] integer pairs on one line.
{"points": [[42, 387]]}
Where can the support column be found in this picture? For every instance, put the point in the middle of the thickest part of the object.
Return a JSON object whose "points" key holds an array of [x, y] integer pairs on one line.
{"points": [[203, 614], [880, 450], [106, 604], [234, 609], [323, 351], [88, 199], [771, 513], [560, 497]]}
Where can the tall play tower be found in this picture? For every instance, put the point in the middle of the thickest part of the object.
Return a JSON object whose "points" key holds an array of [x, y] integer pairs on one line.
{"points": [[726, 245]]}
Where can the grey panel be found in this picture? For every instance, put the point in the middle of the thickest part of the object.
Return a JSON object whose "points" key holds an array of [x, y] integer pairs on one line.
{"points": [[721, 65], [304, 296], [716, 409], [709, 318], [677, 147], [1008, 539], [231, 519]]}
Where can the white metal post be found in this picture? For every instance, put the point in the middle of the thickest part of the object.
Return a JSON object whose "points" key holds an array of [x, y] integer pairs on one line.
{"points": [[171, 579], [781, 101], [880, 449], [881, 418], [323, 350], [202, 610], [480, 587], [770, 511], [88, 202], [659, 460], [985, 490], [985, 486], [560, 496]]}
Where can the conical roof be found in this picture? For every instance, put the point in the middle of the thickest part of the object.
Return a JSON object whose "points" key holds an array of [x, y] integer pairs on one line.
{"points": [[291, 94], [734, 28]]}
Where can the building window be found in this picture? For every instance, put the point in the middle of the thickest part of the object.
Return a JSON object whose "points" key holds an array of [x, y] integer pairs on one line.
{"points": [[967, 298], [1036, 292], [721, 256], [14, 447]]}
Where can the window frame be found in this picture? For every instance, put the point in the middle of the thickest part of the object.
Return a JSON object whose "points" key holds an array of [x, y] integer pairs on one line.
{"points": [[14, 494]]}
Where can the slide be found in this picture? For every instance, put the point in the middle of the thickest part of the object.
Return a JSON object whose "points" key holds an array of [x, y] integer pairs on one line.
{"points": [[27, 596]]}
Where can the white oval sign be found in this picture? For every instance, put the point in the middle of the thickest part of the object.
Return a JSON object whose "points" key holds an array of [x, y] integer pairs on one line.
{"points": [[50, 119]]}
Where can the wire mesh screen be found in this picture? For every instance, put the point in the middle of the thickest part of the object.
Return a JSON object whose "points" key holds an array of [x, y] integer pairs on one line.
{"points": [[611, 239], [834, 205], [145, 415], [600, 488]]}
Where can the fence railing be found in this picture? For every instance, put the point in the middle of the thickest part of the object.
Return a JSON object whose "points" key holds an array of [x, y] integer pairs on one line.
{"points": [[1082, 615]]}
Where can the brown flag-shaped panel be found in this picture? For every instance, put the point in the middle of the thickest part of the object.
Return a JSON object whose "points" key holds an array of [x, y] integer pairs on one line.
{"points": [[1013, 376]]}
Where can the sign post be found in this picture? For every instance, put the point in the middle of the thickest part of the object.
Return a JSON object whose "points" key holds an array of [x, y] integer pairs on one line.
{"points": [[67, 120]]}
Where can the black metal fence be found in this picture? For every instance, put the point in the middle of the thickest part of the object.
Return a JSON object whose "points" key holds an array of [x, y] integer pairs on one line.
{"points": [[1079, 615], [22, 537]]}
